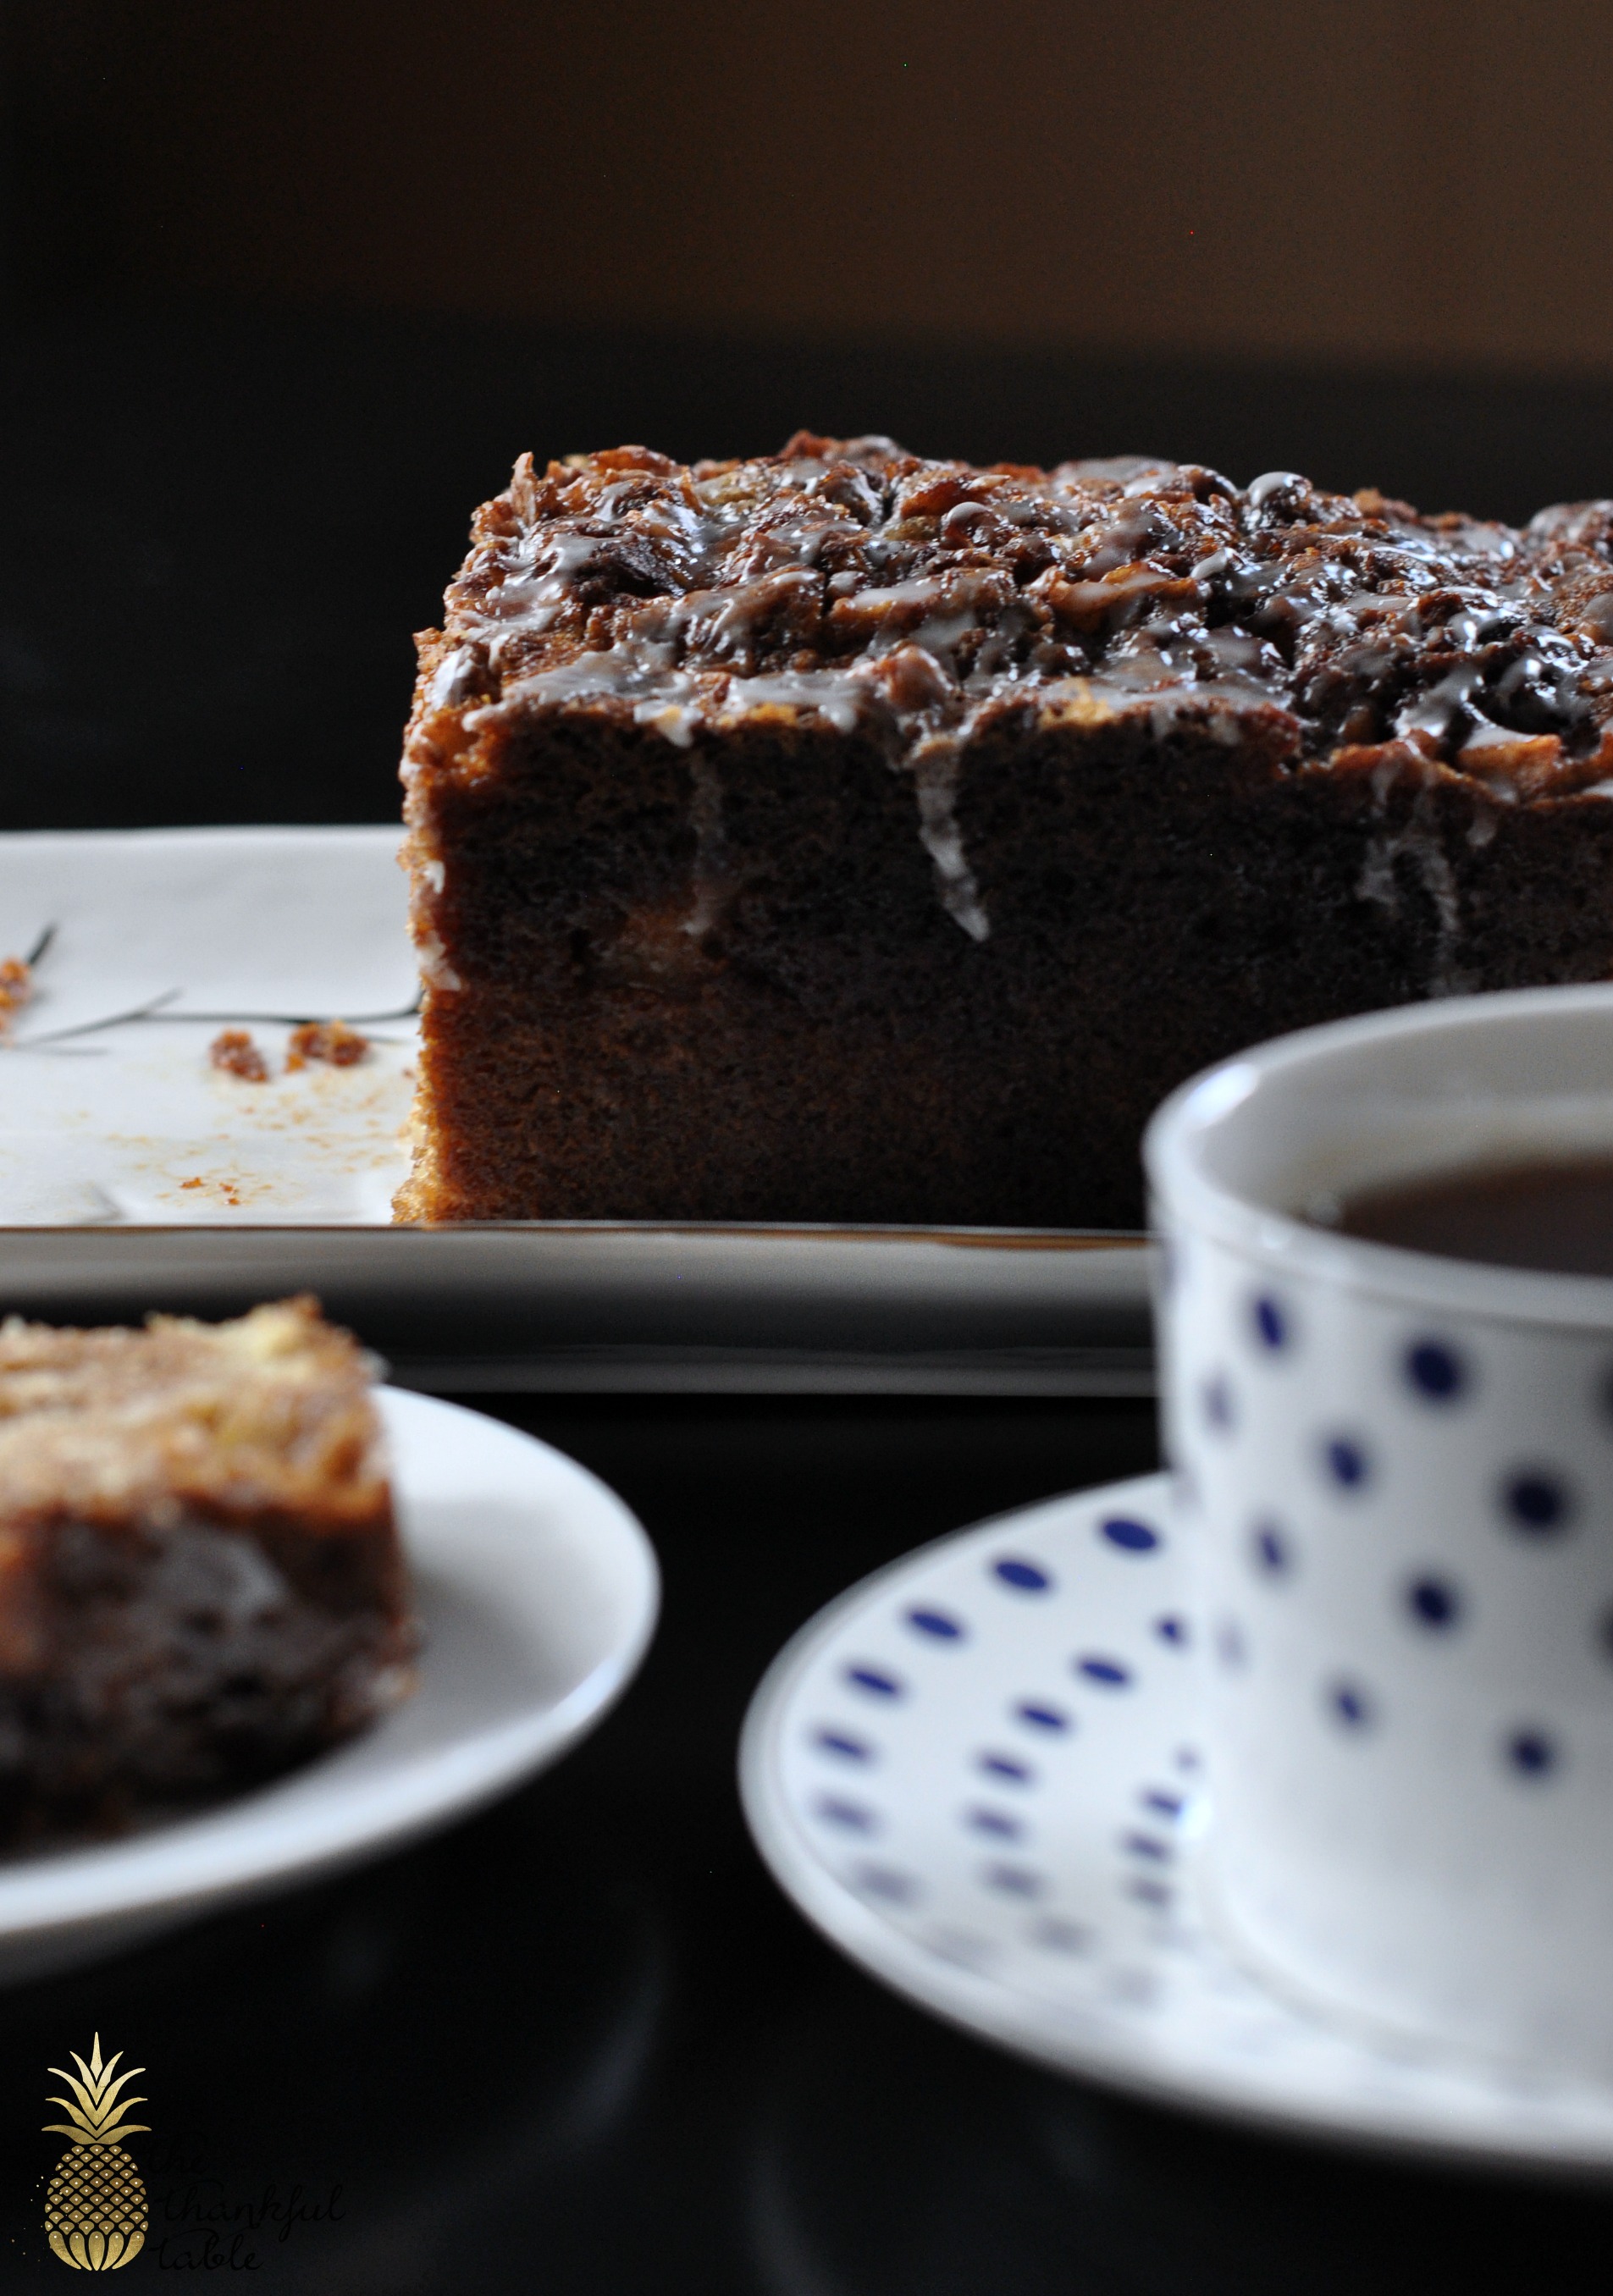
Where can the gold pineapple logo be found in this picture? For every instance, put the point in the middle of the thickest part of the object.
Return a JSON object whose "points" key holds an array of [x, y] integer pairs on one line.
{"points": [[95, 2211]]}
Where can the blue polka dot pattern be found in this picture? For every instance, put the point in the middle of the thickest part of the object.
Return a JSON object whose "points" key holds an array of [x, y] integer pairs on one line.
{"points": [[1041, 1749], [850, 1749], [1436, 1371], [1132, 1538], [1434, 1603], [884, 1882], [1536, 1500], [1349, 1704], [1270, 1550], [1270, 1323], [1010, 1766], [1024, 1578], [1532, 1753], [851, 1814], [873, 1679], [1014, 1880], [1216, 1400], [1066, 1695], [1108, 1671], [1146, 1846], [1344, 1459], [936, 1623], [1232, 1646], [995, 1821]]}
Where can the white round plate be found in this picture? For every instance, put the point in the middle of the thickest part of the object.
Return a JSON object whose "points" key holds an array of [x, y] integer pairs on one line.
{"points": [[975, 1772], [538, 1591]]}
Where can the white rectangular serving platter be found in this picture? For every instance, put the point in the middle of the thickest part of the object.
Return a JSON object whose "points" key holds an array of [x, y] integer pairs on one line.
{"points": [[134, 1175]]}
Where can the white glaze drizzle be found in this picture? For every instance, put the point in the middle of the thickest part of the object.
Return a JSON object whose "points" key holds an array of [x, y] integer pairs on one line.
{"points": [[849, 583], [935, 765], [1377, 883], [1417, 839]]}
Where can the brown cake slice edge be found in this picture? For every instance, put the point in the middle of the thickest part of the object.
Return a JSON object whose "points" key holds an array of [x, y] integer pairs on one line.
{"points": [[847, 836], [202, 1583]]}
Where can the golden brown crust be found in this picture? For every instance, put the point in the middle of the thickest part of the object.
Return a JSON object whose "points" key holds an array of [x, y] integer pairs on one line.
{"points": [[850, 578], [272, 1411]]}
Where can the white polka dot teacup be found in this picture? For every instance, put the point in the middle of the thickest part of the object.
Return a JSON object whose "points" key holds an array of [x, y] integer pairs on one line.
{"points": [[1396, 1477]]}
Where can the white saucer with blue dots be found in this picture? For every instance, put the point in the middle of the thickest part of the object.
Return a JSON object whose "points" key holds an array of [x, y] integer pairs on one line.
{"points": [[977, 1772]]}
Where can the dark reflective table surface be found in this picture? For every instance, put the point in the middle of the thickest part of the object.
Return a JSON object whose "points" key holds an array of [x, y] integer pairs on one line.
{"points": [[581, 2044]]}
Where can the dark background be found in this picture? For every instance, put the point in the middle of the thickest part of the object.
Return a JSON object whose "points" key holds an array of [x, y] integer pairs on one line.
{"points": [[284, 288], [289, 284]]}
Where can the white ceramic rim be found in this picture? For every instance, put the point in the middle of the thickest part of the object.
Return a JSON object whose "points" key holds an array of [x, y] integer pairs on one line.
{"points": [[1204, 1206]]}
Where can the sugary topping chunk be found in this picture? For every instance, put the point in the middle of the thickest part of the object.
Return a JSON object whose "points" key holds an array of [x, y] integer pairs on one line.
{"points": [[852, 579], [330, 1041], [16, 988], [273, 1410], [234, 1052]]}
